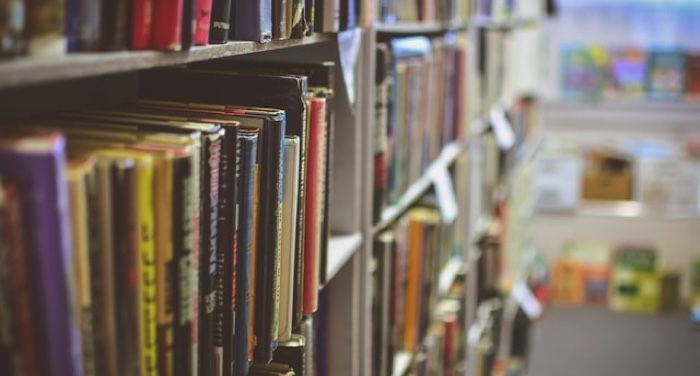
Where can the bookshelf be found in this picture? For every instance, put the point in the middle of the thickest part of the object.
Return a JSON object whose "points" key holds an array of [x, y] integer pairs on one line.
{"points": [[80, 81]]}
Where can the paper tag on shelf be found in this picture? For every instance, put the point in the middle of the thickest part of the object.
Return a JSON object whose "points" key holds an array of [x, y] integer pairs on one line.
{"points": [[530, 305], [445, 192], [349, 50], [505, 137]]}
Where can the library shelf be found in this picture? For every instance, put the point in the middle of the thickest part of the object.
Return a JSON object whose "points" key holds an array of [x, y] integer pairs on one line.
{"points": [[624, 105], [341, 248], [31, 71], [420, 27], [626, 209], [418, 188], [448, 274]]}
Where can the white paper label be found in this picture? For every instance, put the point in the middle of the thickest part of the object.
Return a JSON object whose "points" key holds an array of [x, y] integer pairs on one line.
{"points": [[530, 305], [505, 138], [445, 192]]}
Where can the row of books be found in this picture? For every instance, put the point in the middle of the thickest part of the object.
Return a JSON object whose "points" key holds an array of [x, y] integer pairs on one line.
{"points": [[392, 11], [595, 72], [420, 108], [408, 312], [512, 9], [182, 234], [51, 27]]}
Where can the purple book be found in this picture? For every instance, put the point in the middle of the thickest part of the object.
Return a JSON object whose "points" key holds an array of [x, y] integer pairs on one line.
{"points": [[36, 162]]}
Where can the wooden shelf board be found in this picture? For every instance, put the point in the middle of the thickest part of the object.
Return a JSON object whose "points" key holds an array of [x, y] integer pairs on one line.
{"points": [[340, 250], [416, 190], [29, 71]]}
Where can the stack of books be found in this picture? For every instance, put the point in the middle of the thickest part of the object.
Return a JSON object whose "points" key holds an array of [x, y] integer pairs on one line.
{"points": [[51, 27], [181, 234], [421, 88], [409, 314]]}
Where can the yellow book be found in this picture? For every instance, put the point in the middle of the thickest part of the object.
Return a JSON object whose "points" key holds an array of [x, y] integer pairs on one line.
{"points": [[77, 172]]}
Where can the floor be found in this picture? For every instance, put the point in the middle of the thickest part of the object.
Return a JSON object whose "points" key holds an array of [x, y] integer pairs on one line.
{"points": [[597, 342]]}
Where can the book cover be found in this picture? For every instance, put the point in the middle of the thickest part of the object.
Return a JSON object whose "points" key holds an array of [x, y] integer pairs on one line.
{"points": [[114, 21], [36, 162], [252, 21], [692, 74], [220, 21], [142, 18], [246, 171], [628, 70], [288, 261], [204, 24], [12, 24], [167, 26], [665, 74], [18, 263]]}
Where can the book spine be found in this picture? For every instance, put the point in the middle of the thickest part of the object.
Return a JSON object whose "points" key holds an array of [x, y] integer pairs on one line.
{"points": [[311, 12], [225, 281], [297, 19], [114, 24], [167, 25], [46, 27], [8, 352], [247, 152], [147, 269], [12, 33], [18, 264], [252, 20], [183, 240], [141, 24], [279, 19], [89, 19], [203, 15], [208, 253], [413, 285], [221, 18], [164, 261], [189, 23], [72, 25], [103, 267], [288, 262], [313, 209], [254, 287]]}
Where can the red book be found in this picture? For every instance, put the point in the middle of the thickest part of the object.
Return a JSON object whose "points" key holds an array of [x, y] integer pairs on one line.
{"points": [[141, 24], [167, 24], [203, 17], [315, 175], [20, 281]]}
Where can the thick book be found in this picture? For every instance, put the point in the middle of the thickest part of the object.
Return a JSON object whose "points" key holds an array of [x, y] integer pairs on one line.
{"points": [[46, 28], [313, 202], [20, 283], [288, 260], [252, 21], [114, 20], [167, 26], [220, 21], [203, 22], [12, 24], [37, 162], [245, 171], [141, 24]]}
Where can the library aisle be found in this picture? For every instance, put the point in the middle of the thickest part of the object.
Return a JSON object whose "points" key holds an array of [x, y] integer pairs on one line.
{"points": [[575, 341]]}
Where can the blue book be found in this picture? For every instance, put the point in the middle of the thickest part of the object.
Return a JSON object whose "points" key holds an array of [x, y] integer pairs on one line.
{"points": [[246, 155], [252, 20]]}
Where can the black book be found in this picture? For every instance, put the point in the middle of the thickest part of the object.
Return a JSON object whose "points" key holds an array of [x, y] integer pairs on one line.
{"points": [[220, 21], [292, 354], [125, 262], [114, 32], [189, 22]]}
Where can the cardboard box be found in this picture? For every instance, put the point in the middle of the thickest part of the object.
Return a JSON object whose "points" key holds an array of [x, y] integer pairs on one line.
{"points": [[607, 176]]}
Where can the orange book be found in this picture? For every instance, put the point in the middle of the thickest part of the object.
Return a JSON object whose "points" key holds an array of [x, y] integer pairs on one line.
{"points": [[414, 266]]}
